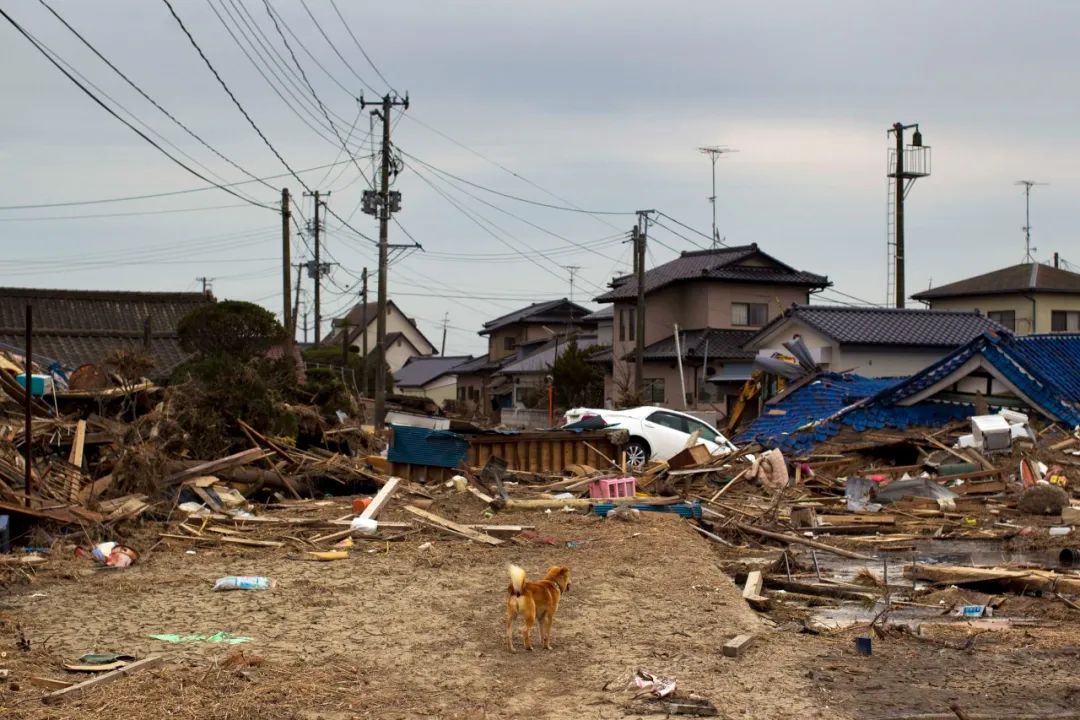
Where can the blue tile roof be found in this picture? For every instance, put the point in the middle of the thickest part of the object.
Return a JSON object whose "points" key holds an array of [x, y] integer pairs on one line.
{"points": [[825, 395], [1045, 368]]}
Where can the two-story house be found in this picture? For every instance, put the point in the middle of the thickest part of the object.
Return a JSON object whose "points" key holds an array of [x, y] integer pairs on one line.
{"points": [[403, 338], [1027, 298], [513, 337], [718, 299]]}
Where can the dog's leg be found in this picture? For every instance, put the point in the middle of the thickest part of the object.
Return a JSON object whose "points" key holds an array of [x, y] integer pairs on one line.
{"points": [[510, 607], [549, 619], [530, 620]]}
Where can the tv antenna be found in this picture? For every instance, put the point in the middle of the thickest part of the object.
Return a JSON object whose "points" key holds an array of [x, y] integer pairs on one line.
{"points": [[1028, 250], [715, 152]]}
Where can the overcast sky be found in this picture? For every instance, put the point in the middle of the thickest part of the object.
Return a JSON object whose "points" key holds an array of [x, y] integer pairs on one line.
{"points": [[602, 104]]}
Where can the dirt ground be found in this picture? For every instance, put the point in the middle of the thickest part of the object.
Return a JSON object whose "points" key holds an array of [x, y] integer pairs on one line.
{"points": [[403, 631]]}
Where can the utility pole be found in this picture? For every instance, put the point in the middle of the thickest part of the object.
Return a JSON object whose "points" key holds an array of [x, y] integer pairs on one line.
{"points": [[305, 324], [286, 270], [573, 270], [639, 314], [364, 324], [318, 267], [296, 301], [714, 152], [1028, 250], [206, 284], [385, 208], [903, 178], [445, 320]]}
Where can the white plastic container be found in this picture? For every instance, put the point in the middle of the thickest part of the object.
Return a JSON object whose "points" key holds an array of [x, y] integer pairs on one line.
{"points": [[364, 525], [244, 582], [992, 432]]}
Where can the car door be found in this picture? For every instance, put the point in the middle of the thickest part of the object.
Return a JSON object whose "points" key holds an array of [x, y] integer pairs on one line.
{"points": [[666, 433]]}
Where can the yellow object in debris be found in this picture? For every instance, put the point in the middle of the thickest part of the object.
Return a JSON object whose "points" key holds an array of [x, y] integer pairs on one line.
{"points": [[346, 543], [971, 522], [328, 555], [378, 462]]}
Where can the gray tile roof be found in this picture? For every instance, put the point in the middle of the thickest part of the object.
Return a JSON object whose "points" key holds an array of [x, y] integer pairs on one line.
{"points": [[889, 326], [540, 360], [553, 311], [1028, 277], [696, 344], [419, 371], [721, 264], [481, 365], [83, 326]]}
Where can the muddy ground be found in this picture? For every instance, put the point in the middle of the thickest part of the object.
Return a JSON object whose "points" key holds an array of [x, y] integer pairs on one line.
{"points": [[400, 630]]}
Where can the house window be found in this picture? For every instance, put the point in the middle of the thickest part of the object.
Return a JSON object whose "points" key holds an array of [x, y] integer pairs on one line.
{"points": [[654, 390], [509, 343], [749, 314], [1004, 317], [1065, 321]]}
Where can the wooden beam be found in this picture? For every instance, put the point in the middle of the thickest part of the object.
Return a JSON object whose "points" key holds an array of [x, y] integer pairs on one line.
{"points": [[381, 498], [76, 456], [80, 688], [244, 457], [784, 537], [738, 645], [449, 525]]}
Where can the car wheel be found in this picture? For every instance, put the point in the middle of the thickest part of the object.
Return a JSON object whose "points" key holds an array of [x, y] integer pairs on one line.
{"points": [[637, 453]]}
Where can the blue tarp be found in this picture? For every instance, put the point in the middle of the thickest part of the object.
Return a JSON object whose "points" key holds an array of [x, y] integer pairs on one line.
{"points": [[421, 446]]}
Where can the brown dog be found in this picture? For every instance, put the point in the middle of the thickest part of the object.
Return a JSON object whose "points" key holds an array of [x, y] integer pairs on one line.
{"points": [[535, 601]]}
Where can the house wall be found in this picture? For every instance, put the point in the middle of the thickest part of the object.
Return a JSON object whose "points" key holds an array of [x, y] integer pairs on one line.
{"points": [[395, 322], [438, 390], [867, 361], [1044, 305], [886, 361], [695, 305], [397, 354]]}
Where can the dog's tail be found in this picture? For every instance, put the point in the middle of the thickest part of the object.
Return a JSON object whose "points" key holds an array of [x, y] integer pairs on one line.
{"points": [[517, 578]]}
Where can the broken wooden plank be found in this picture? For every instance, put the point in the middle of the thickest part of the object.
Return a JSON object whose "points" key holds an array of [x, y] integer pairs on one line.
{"points": [[77, 445], [858, 519], [1017, 580], [483, 496], [784, 537], [738, 645], [80, 688], [252, 543], [94, 489], [556, 504], [49, 683], [381, 498], [450, 525], [752, 588]]}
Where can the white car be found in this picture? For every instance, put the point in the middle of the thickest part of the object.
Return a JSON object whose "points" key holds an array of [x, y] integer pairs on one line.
{"points": [[655, 433]]}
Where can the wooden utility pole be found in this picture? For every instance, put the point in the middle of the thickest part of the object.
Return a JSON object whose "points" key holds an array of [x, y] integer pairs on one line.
{"points": [[384, 210], [445, 320], [286, 270]]}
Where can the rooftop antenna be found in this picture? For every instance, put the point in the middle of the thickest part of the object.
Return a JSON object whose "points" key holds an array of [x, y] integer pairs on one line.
{"points": [[714, 152], [1028, 250]]}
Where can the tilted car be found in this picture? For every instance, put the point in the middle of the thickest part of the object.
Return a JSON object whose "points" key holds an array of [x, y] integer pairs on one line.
{"points": [[655, 433]]}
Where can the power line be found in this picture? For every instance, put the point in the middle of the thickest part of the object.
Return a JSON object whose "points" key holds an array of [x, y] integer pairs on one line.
{"points": [[360, 47], [171, 193], [145, 95], [123, 214], [338, 52], [229, 92], [550, 206], [40, 48], [691, 229]]}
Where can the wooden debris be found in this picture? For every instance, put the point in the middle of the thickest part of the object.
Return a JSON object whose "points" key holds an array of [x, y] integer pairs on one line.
{"points": [[449, 525], [784, 537], [244, 457], [738, 645], [381, 498], [80, 688]]}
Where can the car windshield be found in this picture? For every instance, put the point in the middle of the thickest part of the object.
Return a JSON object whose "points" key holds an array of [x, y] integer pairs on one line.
{"points": [[705, 432]]}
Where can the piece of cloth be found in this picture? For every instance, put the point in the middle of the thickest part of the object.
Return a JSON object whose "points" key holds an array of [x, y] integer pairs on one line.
{"points": [[218, 637], [770, 469]]}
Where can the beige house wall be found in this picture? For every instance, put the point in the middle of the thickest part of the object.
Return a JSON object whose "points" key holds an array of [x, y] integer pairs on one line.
{"points": [[438, 390], [396, 322], [1039, 305]]}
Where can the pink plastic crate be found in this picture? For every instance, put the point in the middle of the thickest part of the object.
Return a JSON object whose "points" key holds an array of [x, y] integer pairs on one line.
{"points": [[613, 487]]}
